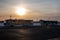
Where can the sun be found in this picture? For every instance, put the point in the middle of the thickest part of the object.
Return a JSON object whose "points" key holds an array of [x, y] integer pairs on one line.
{"points": [[21, 11]]}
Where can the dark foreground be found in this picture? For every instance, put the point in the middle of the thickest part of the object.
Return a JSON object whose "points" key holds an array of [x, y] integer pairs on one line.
{"points": [[35, 33], [20, 34]]}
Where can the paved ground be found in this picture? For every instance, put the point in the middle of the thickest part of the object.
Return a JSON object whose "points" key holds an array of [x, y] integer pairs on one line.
{"points": [[21, 34], [27, 34]]}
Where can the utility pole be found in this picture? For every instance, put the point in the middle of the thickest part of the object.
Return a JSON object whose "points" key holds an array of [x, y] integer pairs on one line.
{"points": [[10, 17]]}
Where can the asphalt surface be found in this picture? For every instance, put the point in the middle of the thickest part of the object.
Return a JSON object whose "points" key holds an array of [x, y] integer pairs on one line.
{"points": [[21, 34], [28, 34]]}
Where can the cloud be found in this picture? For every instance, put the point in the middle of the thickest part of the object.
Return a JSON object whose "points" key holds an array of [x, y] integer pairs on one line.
{"points": [[38, 7]]}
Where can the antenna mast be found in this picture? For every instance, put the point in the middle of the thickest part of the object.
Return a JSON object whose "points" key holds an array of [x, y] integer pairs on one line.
{"points": [[10, 17]]}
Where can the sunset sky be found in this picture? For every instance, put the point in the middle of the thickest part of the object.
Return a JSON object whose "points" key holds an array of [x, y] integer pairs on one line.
{"points": [[36, 9]]}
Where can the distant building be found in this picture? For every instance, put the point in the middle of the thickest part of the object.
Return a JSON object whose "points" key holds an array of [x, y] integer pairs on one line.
{"points": [[58, 23], [18, 22], [48, 24], [45, 22], [36, 23], [1, 24]]}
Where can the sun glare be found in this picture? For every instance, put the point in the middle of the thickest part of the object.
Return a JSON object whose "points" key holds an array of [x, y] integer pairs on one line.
{"points": [[21, 11]]}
